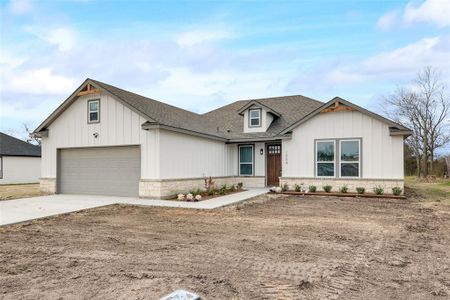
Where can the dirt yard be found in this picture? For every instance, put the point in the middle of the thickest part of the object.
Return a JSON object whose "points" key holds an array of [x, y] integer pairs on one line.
{"points": [[14, 191], [275, 247]]}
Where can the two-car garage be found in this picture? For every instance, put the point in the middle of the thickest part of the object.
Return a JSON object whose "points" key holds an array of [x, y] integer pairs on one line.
{"points": [[114, 171]]}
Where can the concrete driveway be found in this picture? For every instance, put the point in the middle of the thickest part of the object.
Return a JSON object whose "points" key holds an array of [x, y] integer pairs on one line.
{"points": [[19, 210]]}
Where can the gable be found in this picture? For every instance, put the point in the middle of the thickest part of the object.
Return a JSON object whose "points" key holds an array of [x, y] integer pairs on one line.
{"points": [[339, 105], [88, 87]]}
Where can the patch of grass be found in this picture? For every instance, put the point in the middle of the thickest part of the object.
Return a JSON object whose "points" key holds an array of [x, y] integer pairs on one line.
{"points": [[15, 191], [437, 191]]}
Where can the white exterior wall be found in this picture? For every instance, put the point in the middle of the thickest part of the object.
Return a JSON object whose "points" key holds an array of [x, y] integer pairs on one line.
{"points": [[118, 126], [259, 160], [20, 169], [186, 156], [266, 120], [382, 154]]}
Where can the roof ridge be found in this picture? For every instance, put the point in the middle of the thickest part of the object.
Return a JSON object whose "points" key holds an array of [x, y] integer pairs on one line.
{"points": [[279, 97]]}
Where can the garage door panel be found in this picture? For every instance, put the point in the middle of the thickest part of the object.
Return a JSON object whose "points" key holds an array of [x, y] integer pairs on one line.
{"points": [[100, 171]]}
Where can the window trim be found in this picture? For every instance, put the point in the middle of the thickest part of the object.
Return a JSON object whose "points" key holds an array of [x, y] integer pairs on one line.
{"points": [[316, 161], [352, 161], [246, 163], [259, 110], [89, 111]]}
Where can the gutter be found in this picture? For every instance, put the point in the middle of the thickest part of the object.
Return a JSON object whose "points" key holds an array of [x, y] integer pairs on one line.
{"points": [[150, 126]]}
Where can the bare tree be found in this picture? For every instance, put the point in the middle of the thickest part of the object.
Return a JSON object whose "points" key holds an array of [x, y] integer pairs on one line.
{"points": [[447, 161], [32, 139], [424, 108]]}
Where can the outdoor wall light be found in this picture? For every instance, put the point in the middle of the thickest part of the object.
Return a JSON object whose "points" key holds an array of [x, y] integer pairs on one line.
{"points": [[261, 151], [95, 134]]}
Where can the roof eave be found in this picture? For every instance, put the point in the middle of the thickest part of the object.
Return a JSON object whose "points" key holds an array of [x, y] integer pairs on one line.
{"points": [[155, 125], [261, 139]]}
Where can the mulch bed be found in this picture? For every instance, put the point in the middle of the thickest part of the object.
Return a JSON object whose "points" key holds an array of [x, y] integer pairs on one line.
{"points": [[354, 195]]}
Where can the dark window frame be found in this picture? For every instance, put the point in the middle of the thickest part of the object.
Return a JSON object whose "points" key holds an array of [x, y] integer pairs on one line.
{"points": [[246, 163], [337, 157], [259, 110], [89, 111]]}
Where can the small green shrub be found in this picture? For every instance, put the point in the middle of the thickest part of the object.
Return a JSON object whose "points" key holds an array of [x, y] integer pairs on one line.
{"points": [[360, 190], [284, 187], [197, 191], [232, 188], [297, 188], [378, 190], [327, 188], [240, 185], [210, 192], [222, 191], [223, 187], [397, 191], [343, 189], [312, 188]]}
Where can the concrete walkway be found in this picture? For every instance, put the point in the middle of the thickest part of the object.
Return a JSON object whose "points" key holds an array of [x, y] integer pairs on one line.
{"points": [[19, 210]]}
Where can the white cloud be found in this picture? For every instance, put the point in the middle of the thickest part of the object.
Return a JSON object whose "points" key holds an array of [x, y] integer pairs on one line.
{"points": [[433, 11], [20, 7], [194, 37], [62, 37], [36, 82], [390, 67], [388, 20], [436, 12]]}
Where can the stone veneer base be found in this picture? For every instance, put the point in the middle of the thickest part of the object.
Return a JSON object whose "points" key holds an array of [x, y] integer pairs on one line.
{"points": [[47, 185], [352, 184], [167, 188]]}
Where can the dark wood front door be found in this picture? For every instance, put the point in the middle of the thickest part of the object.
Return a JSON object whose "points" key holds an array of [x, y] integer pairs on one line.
{"points": [[273, 164]]}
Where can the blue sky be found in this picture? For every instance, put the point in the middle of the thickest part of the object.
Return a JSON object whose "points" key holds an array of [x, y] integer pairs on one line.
{"points": [[203, 54]]}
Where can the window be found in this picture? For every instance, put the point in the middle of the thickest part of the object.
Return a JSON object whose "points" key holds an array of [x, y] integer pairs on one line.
{"points": [[325, 158], [94, 111], [246, 160], [254, 117], [350, 158]]}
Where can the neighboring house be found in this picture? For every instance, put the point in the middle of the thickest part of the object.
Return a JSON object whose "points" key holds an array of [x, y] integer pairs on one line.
{"points": [[105, 140], [20, 162]]}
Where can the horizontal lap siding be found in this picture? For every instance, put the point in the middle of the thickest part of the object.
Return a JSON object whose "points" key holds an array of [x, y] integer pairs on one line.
{"points": [[382, 154], [20, 169]]}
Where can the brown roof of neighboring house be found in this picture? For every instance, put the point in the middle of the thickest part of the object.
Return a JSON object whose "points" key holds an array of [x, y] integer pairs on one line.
{"points": [[11, 146]]}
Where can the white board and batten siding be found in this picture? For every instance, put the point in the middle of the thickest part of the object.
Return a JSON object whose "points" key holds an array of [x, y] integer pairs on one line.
{"points": [[382, 154], [20, 169], [118, 126], [164, 154]]}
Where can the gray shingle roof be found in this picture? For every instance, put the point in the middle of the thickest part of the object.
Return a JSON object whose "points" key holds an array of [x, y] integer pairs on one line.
{"points": [[224, 123], [163, 113], [226, 118], [10, 146], [291, 109]]}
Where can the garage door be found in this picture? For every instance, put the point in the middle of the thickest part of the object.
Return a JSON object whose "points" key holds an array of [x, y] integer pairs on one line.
{"points": [[99, 171]]}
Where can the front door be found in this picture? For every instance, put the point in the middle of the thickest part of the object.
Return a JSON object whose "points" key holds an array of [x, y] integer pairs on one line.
{"points": [[273, 164]]}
